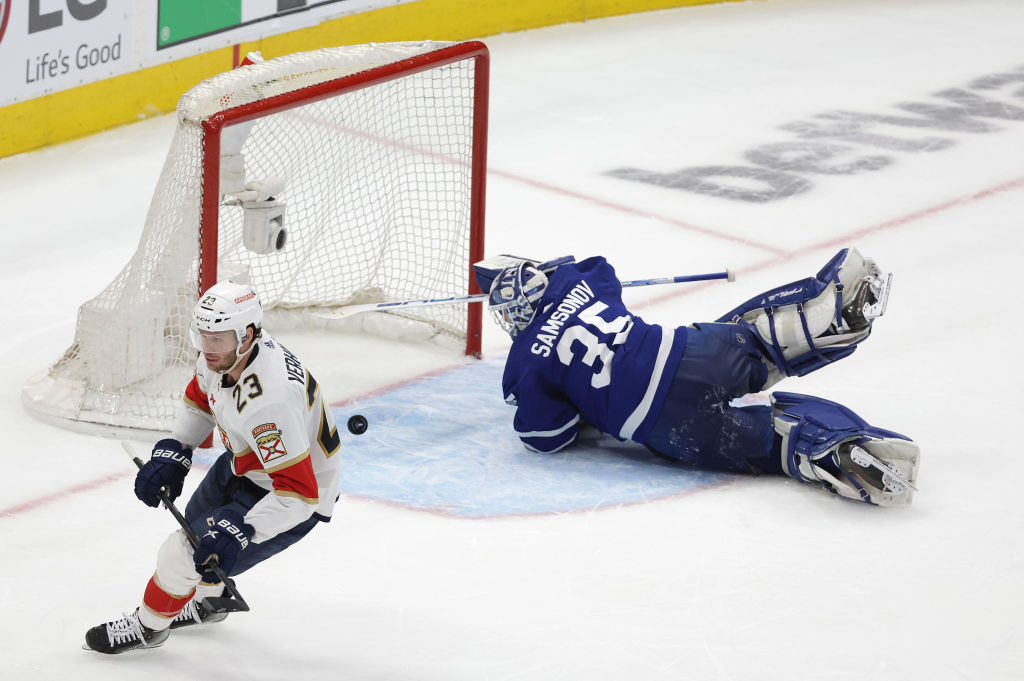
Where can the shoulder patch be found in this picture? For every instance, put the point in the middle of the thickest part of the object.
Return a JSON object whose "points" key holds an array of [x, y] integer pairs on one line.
{"points": [[268, 440]]}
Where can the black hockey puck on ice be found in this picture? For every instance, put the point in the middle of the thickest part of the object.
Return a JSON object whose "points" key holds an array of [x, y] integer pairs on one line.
{"points": [[357, 424]]}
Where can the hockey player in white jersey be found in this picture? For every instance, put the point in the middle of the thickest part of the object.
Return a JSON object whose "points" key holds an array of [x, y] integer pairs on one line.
{"points": [[580, 357], [276, 480]]}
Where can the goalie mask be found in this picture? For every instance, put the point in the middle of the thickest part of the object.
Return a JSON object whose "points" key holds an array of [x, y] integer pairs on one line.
{"points": [[222, 315], [514, 297]]}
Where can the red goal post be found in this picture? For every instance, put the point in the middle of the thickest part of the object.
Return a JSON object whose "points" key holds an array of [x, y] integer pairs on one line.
{"points": [[327, 178]]}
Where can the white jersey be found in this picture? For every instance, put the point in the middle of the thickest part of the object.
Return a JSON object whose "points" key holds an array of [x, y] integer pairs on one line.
{"points": [[276, 424]]}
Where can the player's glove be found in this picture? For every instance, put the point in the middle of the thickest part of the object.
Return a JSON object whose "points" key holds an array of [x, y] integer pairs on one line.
{"points": [[227, 537], [166, 469]]}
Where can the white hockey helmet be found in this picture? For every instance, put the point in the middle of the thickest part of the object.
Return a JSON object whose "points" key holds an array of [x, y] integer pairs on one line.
{"points": [[227, 306]]}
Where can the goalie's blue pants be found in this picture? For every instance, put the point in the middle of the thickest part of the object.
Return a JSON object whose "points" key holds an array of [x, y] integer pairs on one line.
{"points": [[697, 425], [221, 488]]}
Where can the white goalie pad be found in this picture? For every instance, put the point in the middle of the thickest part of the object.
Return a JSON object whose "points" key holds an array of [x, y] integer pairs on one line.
{"points": [[825, 442], [810, 323]]}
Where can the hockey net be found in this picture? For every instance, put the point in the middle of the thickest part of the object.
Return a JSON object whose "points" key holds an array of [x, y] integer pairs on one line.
{"points": [[369, 158]]}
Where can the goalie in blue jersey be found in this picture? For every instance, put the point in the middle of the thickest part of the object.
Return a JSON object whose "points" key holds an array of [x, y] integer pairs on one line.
{"points": [[580, 357]]}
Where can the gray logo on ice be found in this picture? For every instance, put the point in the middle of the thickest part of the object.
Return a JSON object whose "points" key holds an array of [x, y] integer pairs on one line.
{"points": [[781, 169]]}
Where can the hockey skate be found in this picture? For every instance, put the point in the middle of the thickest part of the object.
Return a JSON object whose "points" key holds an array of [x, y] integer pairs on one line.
{"points": [[122, 635], [866, 296], [196, 613], [880, 472]]}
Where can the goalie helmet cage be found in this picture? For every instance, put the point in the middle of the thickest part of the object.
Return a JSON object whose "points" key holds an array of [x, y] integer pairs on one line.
{"points": [[370, 159]]}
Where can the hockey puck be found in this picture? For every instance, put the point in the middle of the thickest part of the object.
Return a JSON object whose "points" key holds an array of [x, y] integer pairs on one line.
{"points": [[357, 424]]}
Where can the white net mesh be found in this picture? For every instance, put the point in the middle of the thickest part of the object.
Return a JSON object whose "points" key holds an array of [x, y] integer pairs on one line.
{"points": [[376, 201]]}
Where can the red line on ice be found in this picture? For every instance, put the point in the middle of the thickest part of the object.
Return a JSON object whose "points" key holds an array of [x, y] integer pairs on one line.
{"points": [[781, 256], [844, 239], [637, 212], [63, 494]]}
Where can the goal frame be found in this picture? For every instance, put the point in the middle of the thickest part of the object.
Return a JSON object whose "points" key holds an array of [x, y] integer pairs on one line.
{"points": [[213, 126], [130, 391]]}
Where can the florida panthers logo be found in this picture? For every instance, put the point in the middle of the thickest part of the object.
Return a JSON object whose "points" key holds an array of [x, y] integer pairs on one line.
{"points": [[268, 440]]}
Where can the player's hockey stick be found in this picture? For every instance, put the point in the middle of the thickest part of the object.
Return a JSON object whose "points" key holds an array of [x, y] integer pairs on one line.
{"points": [[232, 603], [349, 310]]}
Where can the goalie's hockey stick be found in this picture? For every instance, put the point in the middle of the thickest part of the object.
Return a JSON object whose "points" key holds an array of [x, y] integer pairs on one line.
{"points": [[232, 603], [349, 310]]}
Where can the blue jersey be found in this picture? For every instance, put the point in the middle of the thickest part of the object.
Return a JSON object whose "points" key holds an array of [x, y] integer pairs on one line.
{"points": [[584, 355]]}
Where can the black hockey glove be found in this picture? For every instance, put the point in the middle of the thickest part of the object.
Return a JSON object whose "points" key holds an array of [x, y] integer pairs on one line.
{"points": [[167, 467], [227, 537]]}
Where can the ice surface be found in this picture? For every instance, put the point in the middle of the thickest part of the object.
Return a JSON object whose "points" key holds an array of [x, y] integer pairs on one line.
{"points": [[740, 579]]}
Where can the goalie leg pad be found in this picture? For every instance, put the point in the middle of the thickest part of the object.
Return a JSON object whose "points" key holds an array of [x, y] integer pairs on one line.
{"points": [[807, 324], [825, 442]]}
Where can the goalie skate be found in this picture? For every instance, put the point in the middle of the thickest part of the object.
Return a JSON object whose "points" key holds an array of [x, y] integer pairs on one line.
{"points": [[856, 473], [893, 480], [868, 299]]}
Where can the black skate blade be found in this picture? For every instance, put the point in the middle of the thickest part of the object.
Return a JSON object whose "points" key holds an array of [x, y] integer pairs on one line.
{"points": [[225, 604], [232, 602]]}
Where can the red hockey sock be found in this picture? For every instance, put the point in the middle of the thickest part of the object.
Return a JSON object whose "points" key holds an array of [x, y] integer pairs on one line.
{"points": [[162, 603]]}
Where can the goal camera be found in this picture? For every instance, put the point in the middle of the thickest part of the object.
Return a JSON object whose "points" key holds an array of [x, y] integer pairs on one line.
{"points": [[263, 227]]}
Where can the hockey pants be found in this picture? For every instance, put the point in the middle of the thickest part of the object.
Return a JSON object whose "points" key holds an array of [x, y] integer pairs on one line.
{"points": [[697, 425], [223, 489]]}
